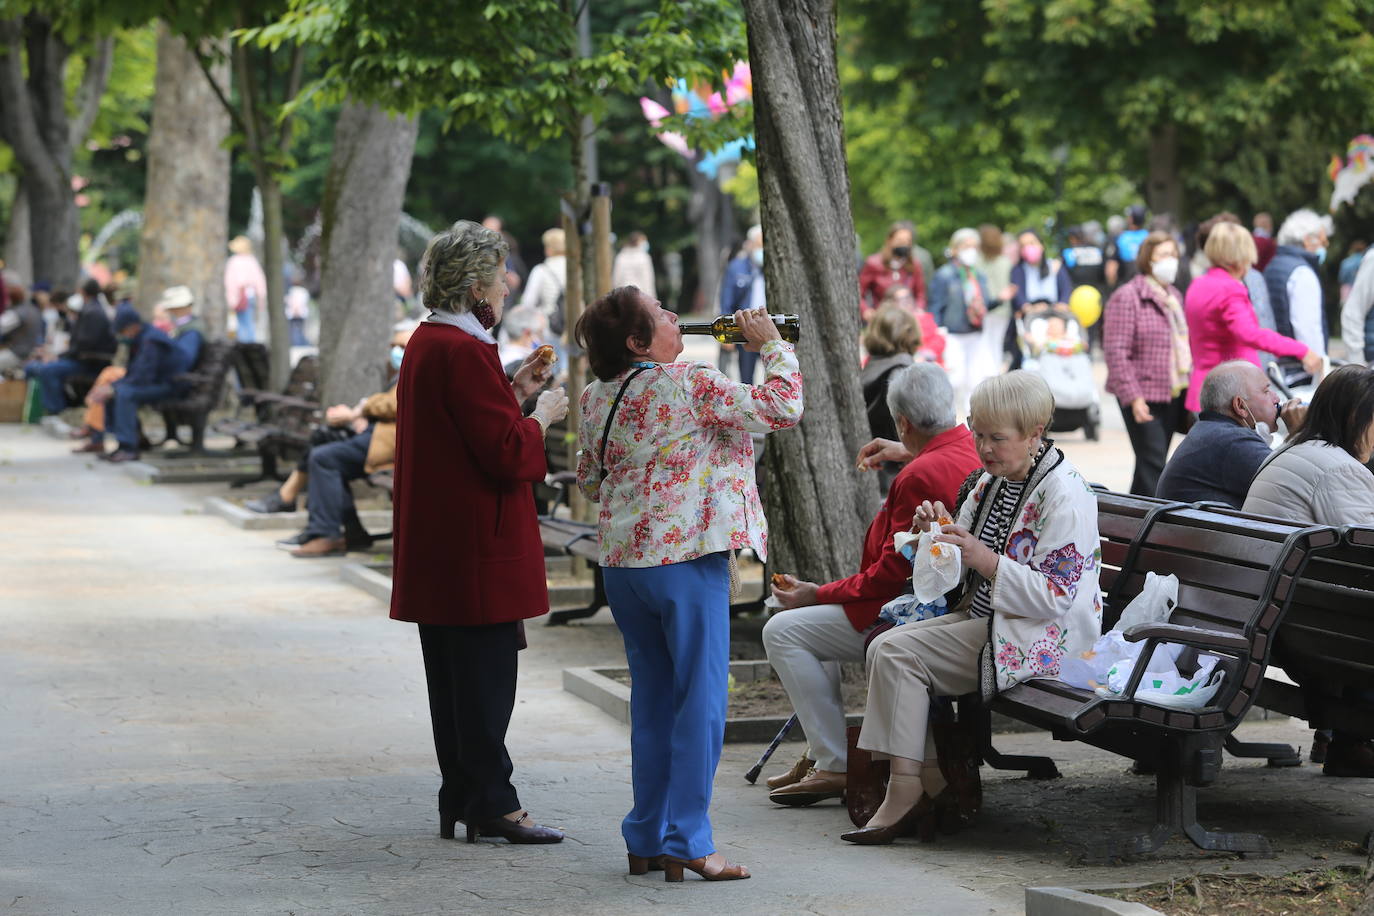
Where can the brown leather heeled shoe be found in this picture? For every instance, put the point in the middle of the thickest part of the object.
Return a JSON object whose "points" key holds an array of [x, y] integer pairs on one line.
{"points": [[883, 836], [521, 830], [642, 865], [673, 869]]}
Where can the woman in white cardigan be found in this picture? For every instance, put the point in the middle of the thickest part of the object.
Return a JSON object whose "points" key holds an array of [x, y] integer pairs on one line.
{"points": [[1030, 548], [1319, 476]]}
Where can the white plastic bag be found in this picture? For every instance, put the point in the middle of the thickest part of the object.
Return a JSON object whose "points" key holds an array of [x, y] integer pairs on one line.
{"points": [[935, 568], [1154, 604], [1169, 688], [1112, 653]]}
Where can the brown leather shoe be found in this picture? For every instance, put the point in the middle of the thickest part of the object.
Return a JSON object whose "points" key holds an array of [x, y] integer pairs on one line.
{"points": [[321, 547], [89, 447], [796, 774], [816, 786]]}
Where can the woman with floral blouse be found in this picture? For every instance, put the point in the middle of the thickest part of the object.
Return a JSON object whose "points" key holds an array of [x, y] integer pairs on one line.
{"points": [[666, 449], [1028, 538]]}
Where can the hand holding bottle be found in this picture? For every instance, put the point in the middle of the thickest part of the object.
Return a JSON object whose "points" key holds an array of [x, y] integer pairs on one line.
{"points": [[758, 328]]}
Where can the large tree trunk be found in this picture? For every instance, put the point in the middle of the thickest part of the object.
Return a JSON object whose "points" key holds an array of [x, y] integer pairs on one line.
{"points": [[363, 193], [36, 126], [818, 506], [186, 209], [273, 264], [18, 238], [1166, 185]]}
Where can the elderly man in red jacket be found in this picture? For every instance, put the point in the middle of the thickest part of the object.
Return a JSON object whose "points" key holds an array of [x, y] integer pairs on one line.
{"points": [[822, 625]]}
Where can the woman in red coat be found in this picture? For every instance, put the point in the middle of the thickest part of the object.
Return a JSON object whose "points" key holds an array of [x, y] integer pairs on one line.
{"points": [[469, 562]]}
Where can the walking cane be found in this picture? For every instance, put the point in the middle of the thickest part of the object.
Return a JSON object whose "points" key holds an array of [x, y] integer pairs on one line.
{"points": [[753, 775]]}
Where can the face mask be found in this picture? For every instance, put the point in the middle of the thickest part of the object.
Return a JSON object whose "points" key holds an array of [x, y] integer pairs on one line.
{"points": [[1165, 270], [1258, 426], [757, 256], [902, 252], [396, 354], [1321, 255], [644, 248], [967, 256], [1032, 254]]}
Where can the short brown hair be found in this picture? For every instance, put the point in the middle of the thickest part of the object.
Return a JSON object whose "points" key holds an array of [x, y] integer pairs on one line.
{"points": [[891, 330], [606, 324], [1147, 249]]}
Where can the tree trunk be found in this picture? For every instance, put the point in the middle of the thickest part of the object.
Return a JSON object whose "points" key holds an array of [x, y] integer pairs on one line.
{"points": [[18, 240], [273, 262], [55, 231], [363, 193], [818, 507], [704, 211], [1166, 185], [186, 209]]}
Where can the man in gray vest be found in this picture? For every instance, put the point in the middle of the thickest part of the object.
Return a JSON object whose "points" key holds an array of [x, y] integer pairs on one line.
{"points": [[1295, 291]]}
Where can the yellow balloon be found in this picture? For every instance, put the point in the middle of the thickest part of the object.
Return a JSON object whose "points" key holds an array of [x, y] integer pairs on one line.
{"points": [[1086, 305]]}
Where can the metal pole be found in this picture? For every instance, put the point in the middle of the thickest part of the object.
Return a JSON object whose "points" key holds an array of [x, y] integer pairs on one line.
{"points": [[601, 236], [577, 360]]}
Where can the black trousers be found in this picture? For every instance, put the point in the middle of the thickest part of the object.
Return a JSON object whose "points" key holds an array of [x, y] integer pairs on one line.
{"points": [[471, 676], [1150, 441]]}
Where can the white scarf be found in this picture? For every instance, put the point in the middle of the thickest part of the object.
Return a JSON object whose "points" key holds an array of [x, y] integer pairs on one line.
{"points": [[465, 321]]}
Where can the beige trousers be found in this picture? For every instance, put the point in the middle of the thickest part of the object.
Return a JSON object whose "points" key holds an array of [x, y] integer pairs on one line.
{"points": [[906, 666]]}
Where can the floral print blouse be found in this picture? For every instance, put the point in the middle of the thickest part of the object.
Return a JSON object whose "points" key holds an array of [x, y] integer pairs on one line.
{"points": [[679, 472]]}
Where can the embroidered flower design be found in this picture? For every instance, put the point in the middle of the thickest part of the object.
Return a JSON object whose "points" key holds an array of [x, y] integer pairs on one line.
{"points": [[1052, 631], [1044, 657], [1009, 656], [1062, 569], [1031, 514], [1021, 546]]}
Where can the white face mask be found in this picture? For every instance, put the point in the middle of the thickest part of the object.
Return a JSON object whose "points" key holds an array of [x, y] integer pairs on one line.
{"points": [[1165, 271], [967, 256]]}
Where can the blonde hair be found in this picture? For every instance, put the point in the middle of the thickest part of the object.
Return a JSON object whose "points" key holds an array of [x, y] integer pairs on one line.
{"points": [[892, 329], [555, 243], [1020, 400], [1230, 246]]}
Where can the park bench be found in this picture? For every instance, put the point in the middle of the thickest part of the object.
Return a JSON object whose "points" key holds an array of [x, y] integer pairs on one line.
{"points": [[275, 425], [1326, 641], [1237, 576], [204, 388]]}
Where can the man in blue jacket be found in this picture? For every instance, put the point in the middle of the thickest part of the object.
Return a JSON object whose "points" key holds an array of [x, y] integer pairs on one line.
{"points": [[154, 360]]}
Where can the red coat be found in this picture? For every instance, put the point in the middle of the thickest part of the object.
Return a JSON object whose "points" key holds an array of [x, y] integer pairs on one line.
{"points": [[935, 474], [876, 277], [466, 536]]}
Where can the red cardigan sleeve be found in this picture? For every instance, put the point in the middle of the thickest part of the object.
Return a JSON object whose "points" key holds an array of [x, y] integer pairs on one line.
{"points": [[505, 444], [885, 576]]}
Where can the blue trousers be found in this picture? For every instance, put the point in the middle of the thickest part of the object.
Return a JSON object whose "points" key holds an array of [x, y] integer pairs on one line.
{"points": [[245, 333], [123, 410], [331, 467], [51, 377], [675, 621]]}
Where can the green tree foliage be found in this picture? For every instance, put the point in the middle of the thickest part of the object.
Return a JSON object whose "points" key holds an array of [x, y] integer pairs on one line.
{"points": [[1241, 84]]}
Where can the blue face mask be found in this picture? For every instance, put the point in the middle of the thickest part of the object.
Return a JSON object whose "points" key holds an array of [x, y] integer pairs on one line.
{"points": [[396, 354], [757, 256], [1321, 255]]}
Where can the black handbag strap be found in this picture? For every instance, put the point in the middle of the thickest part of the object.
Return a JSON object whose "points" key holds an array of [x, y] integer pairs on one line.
{"points": [[601, 457]]}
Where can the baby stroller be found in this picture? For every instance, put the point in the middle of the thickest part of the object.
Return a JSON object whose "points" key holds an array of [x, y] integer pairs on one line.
{"points": [[1053, 346]]}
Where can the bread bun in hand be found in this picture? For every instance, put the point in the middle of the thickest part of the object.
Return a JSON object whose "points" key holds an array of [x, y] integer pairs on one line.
{"points": [[547, 354]]}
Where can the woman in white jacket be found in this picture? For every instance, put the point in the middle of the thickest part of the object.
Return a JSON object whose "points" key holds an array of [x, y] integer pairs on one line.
{"points": [[1031, 553], [1319, 476]]}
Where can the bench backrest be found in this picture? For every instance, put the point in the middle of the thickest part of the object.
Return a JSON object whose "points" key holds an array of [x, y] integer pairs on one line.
{"points": [[211, 369], [250, 361], [1327, 636], [1120, 520], [303, 379]]}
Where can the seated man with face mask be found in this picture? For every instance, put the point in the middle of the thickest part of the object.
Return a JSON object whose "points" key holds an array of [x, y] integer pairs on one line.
{"points": [[1223, 451]]}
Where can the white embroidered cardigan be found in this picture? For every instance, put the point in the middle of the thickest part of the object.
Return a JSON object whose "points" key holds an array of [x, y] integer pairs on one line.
{"points": [[1045, 598]]}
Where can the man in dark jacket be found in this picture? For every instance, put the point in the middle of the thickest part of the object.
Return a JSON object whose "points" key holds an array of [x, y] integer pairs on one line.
{"points": [[1226, 446], [92, 348], [153, 362], [742, 288]]}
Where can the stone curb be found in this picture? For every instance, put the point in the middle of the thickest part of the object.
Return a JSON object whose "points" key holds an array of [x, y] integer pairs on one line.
{"points": [[192, 470], [1063, 901], [373, 519]]}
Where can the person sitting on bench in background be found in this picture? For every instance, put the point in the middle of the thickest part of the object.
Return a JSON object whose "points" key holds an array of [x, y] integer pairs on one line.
{"points": [[333, 526], [340, 422], [154, 361], [1319, 477], [21, 329], [1218, 458], [174, 316], [1031, 552], [823, 625], [91, 347]]}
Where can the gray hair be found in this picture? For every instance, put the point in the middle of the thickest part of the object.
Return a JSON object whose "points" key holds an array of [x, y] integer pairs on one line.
{"points": [[1299, 225], [519, 320], [923, 395], [963, 235], [755, 233], [465, 255], [1115, 224], [1224, 383]]}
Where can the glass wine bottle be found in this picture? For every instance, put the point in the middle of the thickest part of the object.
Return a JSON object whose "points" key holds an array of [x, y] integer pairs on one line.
{"points": [[726, 331]]}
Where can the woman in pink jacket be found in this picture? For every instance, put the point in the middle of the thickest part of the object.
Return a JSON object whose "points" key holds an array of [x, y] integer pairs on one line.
{"points": [[1221, 318]]}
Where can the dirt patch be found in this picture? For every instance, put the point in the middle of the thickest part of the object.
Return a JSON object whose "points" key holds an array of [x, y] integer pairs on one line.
{"points": [[1335, 891], [766, 696]]}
